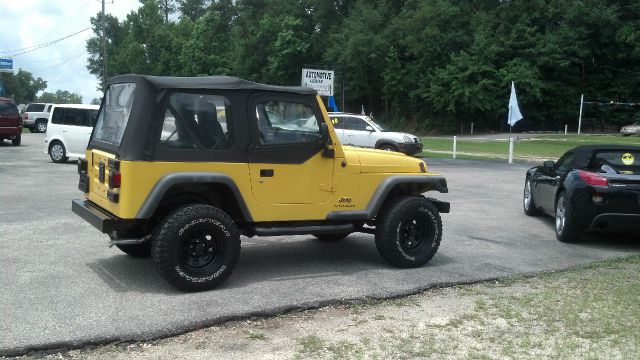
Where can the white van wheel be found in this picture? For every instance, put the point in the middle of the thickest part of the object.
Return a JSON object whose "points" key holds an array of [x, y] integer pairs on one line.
{"points": [[57, 152]]}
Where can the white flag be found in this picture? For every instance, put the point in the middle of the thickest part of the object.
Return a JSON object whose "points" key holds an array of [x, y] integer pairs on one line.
{"points": [[514, 110]]}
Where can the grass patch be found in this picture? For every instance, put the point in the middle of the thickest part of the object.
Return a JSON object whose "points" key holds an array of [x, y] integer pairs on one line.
{"points": [[549, 147], [257, 336], [589, 312]]}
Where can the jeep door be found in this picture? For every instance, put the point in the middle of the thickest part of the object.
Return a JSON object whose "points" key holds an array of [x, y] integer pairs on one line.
{"points": [[285, 157]]}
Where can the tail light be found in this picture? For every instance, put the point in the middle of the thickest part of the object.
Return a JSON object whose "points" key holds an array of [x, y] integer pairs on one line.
{"points": [[115, 178], [26, 116], [593, 179]]}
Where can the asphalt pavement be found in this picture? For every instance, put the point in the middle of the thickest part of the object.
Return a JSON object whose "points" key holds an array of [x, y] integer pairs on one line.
{"points": [[62, 287]]}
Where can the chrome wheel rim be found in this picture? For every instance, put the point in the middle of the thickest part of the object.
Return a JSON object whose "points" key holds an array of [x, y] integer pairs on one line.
{"points": [[57, 152], [527, 194], [560, 215], [42, 127]]}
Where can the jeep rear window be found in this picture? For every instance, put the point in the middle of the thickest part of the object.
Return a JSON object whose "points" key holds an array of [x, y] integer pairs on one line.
{"points": [[114, 113], [35, 108], [197, 120]]}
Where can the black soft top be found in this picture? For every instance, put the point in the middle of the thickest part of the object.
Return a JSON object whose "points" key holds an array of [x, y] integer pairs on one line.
{"points": [[207, 82], [584, 153]]}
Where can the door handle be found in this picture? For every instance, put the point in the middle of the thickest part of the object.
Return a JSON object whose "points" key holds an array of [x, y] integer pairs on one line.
{"points": [[266, 172]]}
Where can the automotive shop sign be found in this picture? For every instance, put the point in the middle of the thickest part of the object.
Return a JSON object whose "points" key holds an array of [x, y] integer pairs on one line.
{"points": [[319, 80], [6, 65]]}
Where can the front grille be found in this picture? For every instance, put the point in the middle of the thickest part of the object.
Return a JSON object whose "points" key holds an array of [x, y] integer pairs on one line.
{"points": [[101, 172]]}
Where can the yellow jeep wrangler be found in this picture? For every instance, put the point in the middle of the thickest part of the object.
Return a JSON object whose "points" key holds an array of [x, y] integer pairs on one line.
{"points": [[179, 168]]}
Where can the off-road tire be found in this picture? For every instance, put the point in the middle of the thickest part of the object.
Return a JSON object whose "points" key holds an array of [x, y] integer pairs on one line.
{"points": [[17, 140], [197, 247], [408, 231], [528, 204], [136, 250], [37, 127], [566, 229], [57, 152], [331, 237]]}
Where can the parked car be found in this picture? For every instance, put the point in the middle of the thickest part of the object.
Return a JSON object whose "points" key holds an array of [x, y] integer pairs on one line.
{"points": [[590, 188], [35, 116], [633, 129], [363, 131], [177, 169], [68, 131], [10, 121]]}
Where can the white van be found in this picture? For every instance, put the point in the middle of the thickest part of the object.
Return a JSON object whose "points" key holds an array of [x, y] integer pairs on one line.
{"points": [[68, 130]]}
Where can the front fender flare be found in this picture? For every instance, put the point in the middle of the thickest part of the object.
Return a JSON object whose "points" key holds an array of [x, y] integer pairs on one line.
{"points": [[433, 182]]}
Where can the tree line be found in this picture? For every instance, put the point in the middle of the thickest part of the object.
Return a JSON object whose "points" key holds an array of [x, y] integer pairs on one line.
{"points": [[23, 88], [424, 65]]}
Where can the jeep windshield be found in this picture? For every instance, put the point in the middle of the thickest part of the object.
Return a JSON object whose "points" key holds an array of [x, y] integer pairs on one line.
{"points": [[114, 114]]}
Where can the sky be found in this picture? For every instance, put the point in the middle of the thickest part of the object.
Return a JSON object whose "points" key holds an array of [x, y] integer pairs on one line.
{"points": [[27, 23]]}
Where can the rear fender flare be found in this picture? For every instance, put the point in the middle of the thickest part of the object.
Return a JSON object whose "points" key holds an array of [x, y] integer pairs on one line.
{"points": [[166, 182]]}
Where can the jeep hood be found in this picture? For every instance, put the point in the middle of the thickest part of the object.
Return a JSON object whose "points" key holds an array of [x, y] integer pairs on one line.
{"points": [[379, 161]]}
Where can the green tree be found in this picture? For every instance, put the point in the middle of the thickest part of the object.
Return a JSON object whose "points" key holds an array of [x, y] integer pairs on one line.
{"points": [[22, 86], [60, 97], [167, 7], [192, 9]]}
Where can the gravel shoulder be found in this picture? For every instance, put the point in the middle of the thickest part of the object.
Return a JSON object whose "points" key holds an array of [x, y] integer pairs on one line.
{"points": [[586, 312]]}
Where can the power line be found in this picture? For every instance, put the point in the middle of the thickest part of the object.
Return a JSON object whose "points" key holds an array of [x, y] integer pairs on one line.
{"points": [[43, 45], [68, 21]]}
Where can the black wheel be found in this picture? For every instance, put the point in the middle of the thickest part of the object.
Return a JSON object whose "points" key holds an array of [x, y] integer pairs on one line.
{"points": [[57, 152], [331, 237], [17, 140], [565, 226], [528, 203], [408, 232], [136, 250], [40, 126], [197, 247], [388, 147]]}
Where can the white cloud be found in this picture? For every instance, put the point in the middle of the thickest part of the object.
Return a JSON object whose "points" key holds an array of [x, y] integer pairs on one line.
{"points": [[26, 23]]}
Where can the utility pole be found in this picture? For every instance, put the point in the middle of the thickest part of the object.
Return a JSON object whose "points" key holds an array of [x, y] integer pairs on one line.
{"points": [[104, 50]]}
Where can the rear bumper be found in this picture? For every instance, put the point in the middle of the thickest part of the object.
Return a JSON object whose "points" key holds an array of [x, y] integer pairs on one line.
{"points": [[613, 222], [10, 131], [93, 215]]}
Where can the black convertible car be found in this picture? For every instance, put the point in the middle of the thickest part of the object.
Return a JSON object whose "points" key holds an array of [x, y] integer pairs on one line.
{"points": [[591, 188]]}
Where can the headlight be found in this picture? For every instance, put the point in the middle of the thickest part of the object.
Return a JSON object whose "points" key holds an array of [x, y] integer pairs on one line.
{"points": [[407, 139]]}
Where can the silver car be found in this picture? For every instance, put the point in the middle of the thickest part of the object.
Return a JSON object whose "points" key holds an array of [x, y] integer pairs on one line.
{"points": [[633, 129]]}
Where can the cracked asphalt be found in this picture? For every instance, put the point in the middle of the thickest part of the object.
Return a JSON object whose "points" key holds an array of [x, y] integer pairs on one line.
{"points": [[62, 287]]}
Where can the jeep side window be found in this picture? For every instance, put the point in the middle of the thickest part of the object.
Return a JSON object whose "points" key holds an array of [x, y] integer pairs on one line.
{"points": [[284, 122], [196, 120]]}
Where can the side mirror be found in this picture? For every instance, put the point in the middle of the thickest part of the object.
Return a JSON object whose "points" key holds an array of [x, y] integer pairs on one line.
{"points": [[549, 164], [324, 133], [324, 138], [369, 128]]}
